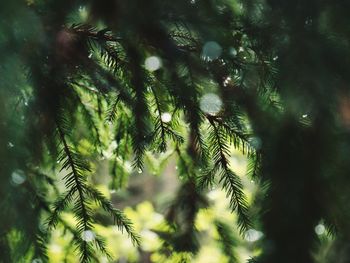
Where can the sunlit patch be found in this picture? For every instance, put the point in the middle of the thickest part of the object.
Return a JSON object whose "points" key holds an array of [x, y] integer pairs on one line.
{"points": [[37, 260], [139, 171], [88, 236], [55, 248], [211, 51], [320, 229], [30, 2], [153, 63], [108, 153], [150, 240], [128, 166], [83, 12], [214, 194], [166, 117], [210, 103], [10, 145], [104, 260], [227, 81], [18, 177], [252, 235]]}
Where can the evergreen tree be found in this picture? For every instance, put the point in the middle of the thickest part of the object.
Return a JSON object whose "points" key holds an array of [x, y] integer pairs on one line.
{"points": [[197, 77]]}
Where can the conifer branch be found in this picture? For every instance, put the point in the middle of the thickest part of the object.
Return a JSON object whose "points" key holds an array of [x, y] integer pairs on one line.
{"points": [[76, 183], [80, 192], [88, 119], [229, 180], [159, 125], [140, 135], [163, 130], [91, 32], [235, 135], [181, 217], [112, 110], [122, 222], [227, 240], [253, 165]]}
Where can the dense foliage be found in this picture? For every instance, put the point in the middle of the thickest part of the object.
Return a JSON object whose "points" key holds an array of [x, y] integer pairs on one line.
{"points": [[140, 83]]}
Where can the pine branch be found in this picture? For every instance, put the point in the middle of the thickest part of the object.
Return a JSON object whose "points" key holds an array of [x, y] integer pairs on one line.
{"points": [[236, 135], [253, 165], [163, 130], [140, 135], [112, 82], [206, 179], [42, 236], [59, 205], [77, 239], [175, 136], [41, 247], [159, 130], [227, 240], [88, 119], [121, 153], [78, 193], [233, 186], [184, 167], [230, 181], [75, 181], [111, 57], [112, 110], [122, 222], [184, 41], [185, 94], [91, 32], [110, 48], [181, 218]]}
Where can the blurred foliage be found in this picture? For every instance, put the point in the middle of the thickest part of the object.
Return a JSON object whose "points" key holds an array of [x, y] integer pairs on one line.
{"points": [[209, 223], [174, 131]]}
